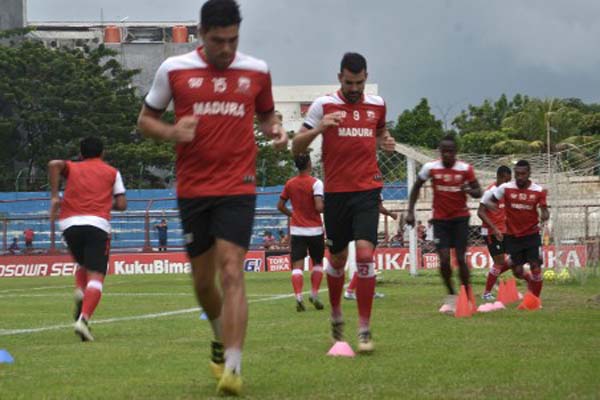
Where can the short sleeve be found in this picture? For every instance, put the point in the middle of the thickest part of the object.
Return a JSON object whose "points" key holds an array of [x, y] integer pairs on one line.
{"points": [[470, 177], [487, 196], [424, 173], [381, 122], [499, 192], [264, 100], [318, 188], [118, 187], [159, 96], [314, 114], [284, 193]]}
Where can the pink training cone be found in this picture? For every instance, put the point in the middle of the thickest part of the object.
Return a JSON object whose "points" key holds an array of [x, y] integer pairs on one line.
{"points": [[341, 349]]}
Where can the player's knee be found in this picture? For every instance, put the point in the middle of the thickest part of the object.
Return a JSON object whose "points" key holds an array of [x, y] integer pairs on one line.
{"points": [[231, 277], [337, 262], [364, 255], [536, 273]]}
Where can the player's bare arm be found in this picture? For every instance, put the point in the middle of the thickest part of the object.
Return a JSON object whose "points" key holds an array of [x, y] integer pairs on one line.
{"points": [[55, 169], [385, 211], [120, 202], [319, 204], [305, 136], [271, 127], [412, 200], [281, 206], [482, 214], [473, 189], [544, 214], [385, 141], [152, 126]]}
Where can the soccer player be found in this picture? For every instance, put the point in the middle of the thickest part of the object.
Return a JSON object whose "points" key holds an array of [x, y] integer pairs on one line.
{"points": [[452, 180], [216, 92], [352, 125], [522, 199], [305, 192], [493, 229], [92, 189]]}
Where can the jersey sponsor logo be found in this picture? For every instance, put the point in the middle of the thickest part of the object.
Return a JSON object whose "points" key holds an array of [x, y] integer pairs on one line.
{"points": [[519, 206], [444, 188], [224, 108], [458, 178], [371, 115], [522, 196], [195, 83], [513, 195], [249, 179], [355, 132]]}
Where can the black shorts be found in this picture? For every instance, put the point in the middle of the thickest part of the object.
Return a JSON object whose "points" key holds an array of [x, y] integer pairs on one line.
{"points": [[524, 249], [495, 246], [315, 245], [351, 216], [225, 217], [451, 233], [89, 246]]}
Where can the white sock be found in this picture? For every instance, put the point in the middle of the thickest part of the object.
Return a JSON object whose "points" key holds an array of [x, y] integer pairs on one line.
{"points": [[216, 327], [233, 360], [299, 297]]}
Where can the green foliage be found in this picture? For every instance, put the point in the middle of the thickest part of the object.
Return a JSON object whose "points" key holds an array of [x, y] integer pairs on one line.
{"points": [[481, 142], [52, 98], [488, 116], [418, 127], [273, 167], [511, 146]]}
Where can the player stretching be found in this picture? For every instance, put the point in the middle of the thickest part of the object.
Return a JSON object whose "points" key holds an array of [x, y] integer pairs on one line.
{"points": [[216, 92], [522, 198], [92, 189], [352, 125], [306, 195], [451, 180], [493, 228]]}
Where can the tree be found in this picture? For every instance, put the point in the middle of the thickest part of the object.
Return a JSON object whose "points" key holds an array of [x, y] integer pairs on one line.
{"points": [[481, 142], [488, 116], [418, 127], [273, 167], [52, 98]]}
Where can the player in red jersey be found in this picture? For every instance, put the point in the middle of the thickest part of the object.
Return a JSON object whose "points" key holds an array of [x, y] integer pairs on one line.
{"points": [[522, 199], [493, 229], [305, 192], [452, 180], [92, 189], [216, 92], [352, 125]]}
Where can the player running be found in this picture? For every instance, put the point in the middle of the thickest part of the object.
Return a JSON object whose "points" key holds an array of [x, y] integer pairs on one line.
{"points": [[305, 192], [493, 229], [452, 180], [216, 92], [522, 199], [92, 189], [353, 125]]}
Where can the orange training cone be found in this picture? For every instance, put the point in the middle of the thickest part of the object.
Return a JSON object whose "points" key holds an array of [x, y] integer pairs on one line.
{"points": [[463, 309], [512, 292], [502, 293], [530, 302], [472, 301]]}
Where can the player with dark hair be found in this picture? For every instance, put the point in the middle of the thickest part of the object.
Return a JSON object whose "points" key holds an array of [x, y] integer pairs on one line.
{"points": [[352, 125], [92, 189], [305, 192], [452, 180], [493, 229], [216, 92], [522, 199]]}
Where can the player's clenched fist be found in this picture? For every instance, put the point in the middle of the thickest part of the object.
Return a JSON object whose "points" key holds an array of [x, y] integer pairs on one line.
{"points": [[185, 129]]}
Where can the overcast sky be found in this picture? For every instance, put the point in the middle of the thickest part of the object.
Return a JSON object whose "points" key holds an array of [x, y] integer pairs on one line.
{"points": [[454, 52]]}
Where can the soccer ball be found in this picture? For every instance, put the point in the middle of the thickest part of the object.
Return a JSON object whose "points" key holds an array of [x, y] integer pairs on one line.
{"points": [[549, 275], [564, 275]]}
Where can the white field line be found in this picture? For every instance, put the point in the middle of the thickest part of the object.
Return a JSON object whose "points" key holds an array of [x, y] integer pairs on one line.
{"points": [[7, 332], [150, 294], [35, 288]]}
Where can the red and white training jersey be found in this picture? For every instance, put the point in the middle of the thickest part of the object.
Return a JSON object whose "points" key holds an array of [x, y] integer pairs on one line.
{"points": [[349, 150], [449, 200], [221, 159], [498, 217], [521, 207], [301, 191], [88, 197]]}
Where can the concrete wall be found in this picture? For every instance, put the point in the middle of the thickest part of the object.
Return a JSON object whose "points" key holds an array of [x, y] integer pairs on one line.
{"points": [[13, 14]]}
